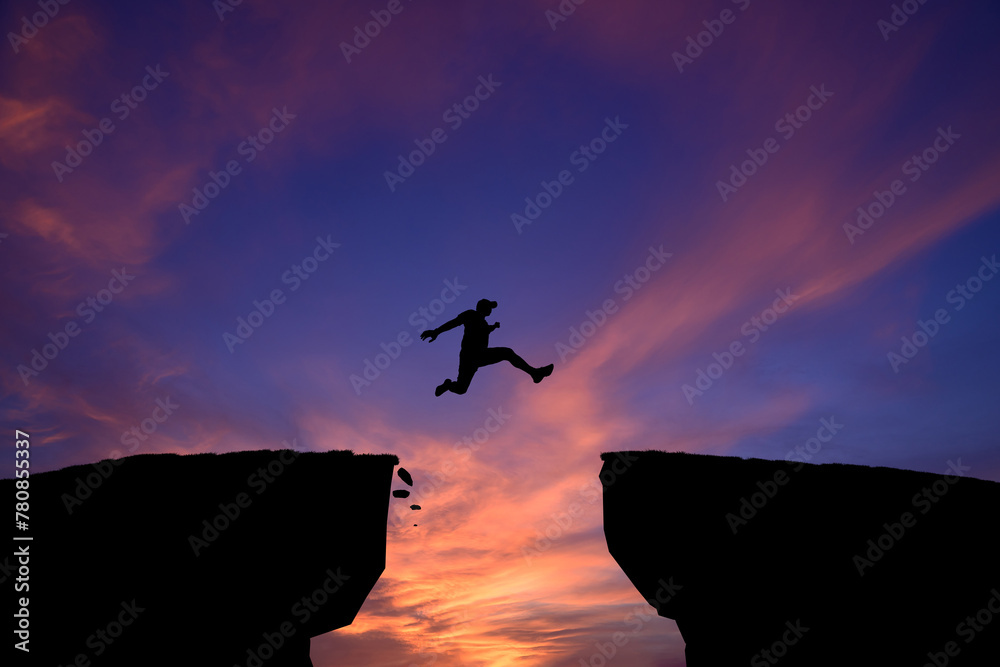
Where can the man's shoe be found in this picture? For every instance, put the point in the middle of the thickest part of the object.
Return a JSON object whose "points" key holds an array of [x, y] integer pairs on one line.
{"points": [[542, 372], [443, 387]]}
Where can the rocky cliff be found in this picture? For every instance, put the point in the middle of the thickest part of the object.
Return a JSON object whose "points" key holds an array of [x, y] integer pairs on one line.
{"points": [[232, 559], [772, 562]]}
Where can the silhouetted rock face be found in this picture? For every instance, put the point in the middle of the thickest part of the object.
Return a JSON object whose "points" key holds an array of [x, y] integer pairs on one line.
{"points": [[214, 560], [771, 562]]}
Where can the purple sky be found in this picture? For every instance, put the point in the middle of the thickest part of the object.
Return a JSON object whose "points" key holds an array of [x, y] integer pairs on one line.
{"points": [[692, 202]]}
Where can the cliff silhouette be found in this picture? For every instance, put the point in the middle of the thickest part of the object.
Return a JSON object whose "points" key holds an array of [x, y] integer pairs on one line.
{"points": [[229, 560], [788, 563]]}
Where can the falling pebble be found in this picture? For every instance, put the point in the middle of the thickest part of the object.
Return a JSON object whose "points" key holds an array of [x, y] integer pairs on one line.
{"points": [[405, 476], [414, 507], [400, 493]]}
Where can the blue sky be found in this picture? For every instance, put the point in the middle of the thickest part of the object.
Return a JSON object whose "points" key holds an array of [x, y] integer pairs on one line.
{"points": [[469, 585]]}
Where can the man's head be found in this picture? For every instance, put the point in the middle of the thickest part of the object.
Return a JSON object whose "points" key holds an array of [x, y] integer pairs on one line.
{"points": [[485, 307]]}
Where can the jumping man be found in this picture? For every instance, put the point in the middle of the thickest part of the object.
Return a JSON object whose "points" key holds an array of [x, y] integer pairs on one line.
{"points": [[476, 352]]}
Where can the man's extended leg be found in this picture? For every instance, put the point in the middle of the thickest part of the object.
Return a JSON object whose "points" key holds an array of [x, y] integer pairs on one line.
{"points": [[493, 355], [542, 372]]}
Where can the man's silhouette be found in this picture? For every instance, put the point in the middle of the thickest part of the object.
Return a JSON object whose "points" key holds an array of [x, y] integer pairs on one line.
{"points": [[476, 351]]}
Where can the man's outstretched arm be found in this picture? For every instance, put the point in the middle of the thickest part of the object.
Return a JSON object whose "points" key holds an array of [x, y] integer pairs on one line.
{"points": [[433, 333]]}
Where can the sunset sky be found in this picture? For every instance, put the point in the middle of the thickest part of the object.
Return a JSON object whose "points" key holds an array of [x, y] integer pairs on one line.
{"points": [[268, 147]]}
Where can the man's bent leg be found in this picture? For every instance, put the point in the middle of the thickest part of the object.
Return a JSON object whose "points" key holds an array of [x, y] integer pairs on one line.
{"points": [[494, 355], [466, 369]]}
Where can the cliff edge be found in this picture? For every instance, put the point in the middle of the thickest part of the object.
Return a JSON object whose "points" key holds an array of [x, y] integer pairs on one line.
{"points": [[775, 562], [230, 560]]}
